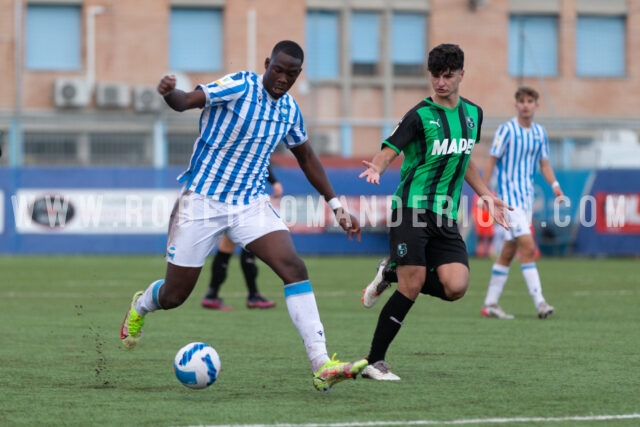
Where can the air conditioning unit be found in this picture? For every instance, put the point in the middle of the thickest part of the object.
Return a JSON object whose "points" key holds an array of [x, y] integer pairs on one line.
{"points": [[113, 95], [326, 142], [71, 93], [146, 99]]}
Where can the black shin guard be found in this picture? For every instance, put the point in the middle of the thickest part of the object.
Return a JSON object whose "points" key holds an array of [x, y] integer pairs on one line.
{"points": [[389, 323]]}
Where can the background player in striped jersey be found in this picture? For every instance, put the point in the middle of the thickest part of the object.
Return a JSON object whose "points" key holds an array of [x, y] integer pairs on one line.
{"points": [[518, 146], [244, 117], [220, 265], [437, 137]]}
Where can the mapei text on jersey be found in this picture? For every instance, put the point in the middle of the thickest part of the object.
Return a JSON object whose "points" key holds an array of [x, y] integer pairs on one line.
{"points": [[453, 147]]}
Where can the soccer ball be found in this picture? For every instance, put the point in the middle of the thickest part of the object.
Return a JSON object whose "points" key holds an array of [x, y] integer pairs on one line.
{"points": [[197, 365]]}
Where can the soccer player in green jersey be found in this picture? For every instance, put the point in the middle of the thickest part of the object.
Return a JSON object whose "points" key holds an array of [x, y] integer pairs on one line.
{"points": [[437, 137]]}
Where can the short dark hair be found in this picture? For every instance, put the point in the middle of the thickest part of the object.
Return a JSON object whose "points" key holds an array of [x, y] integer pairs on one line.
{"points": [[526, 91], [445, 57], [290, 48]]}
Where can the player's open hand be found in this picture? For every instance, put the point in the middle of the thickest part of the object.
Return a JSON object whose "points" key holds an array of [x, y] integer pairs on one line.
{"points": [[348, 222], [557, 191], [371, 174], [498, 210]]}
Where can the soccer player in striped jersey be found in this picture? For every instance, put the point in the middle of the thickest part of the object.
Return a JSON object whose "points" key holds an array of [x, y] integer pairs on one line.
{"points": [[244, 117], [518, 146], [437, 137]]}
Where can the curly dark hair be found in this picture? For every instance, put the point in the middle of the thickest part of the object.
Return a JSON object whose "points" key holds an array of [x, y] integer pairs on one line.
{"points": [[289, 47], [445, 57]]}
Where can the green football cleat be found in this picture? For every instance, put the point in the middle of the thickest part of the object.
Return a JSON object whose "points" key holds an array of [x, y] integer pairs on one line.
{"points": [[334, 371], [131, 329]]}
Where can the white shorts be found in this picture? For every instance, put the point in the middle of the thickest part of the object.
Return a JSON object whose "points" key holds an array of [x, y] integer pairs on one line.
{"points": [[519, 223], [199, 222]]}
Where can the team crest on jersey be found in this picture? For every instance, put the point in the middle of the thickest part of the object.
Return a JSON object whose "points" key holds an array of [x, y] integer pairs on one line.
{"points": [[470, 123], [402, 250], [284, 111], [222, 81], [171, 252]]}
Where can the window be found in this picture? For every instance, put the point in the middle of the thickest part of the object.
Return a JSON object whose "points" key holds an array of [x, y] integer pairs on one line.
{"points": [[195, 39], [322, 52], [50, 148], [365, 42], [533, 45], [119, 149], [373, 38], [408, 44], [600, 46], [53, 37]]}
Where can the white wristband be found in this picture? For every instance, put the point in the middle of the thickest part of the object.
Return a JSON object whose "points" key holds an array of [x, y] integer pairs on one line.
{"points": [[334, 204], [555, 184]]}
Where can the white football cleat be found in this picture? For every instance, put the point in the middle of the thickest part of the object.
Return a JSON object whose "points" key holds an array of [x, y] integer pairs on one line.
{"points": [[494, 310], [544, 310], [379, 371], [374, 289]]}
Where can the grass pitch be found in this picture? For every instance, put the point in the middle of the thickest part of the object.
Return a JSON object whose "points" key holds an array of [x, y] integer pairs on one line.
{"points": [[62, 363]]}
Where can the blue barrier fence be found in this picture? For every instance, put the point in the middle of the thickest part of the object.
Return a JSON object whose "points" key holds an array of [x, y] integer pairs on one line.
{"points": [[601, 215], [25, 192]]}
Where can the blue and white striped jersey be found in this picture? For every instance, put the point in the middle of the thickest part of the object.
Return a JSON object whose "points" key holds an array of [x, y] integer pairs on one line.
{"points": [[240, 126], [518, 151]]}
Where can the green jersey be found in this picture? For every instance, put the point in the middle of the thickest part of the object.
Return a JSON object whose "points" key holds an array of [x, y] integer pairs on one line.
{"points": [[437, 143]]}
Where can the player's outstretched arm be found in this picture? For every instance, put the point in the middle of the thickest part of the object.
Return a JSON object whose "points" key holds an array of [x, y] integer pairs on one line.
{"points": [[317, 176], [177, 99]]}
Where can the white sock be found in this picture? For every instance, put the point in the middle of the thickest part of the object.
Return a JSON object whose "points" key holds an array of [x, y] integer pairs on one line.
{"points": [[499, 275], [532, 278], [148, 302], [301, 303]]}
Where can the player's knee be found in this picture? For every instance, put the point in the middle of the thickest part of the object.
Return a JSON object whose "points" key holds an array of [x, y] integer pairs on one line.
{"points": [[527, 252], [455, 289]]}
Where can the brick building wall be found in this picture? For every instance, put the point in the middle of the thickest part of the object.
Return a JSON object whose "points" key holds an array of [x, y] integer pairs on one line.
{"points": [[132, 47]]}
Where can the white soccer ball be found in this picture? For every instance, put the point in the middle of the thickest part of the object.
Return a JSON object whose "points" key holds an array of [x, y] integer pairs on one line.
{"points": [[197, 365]]}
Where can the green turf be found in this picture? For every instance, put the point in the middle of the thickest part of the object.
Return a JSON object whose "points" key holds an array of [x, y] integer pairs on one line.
{"points": [[62, 364]]}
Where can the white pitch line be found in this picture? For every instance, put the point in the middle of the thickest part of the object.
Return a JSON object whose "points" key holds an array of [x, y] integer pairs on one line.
{"points": [[438, 423], [606, 293]]}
